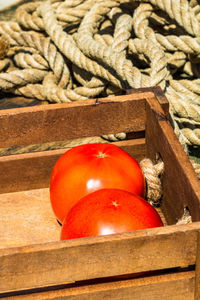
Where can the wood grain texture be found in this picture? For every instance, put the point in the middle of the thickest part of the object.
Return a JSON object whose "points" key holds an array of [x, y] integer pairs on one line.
{"points": [[197, 273], [180, 185], [58, 122], [36, 265], [27, 218], [156, 92], [65, 262], [177, 286], [32, 170]]}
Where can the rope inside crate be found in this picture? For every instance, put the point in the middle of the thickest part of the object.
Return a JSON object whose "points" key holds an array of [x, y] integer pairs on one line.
{"points": [[154, 192], [62, 51]]}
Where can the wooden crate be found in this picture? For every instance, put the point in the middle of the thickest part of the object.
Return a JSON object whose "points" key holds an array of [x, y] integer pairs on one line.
{"points": [[34, 264]]}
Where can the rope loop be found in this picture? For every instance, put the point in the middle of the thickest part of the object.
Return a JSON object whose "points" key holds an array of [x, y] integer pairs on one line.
{"points": [[62, 51]]}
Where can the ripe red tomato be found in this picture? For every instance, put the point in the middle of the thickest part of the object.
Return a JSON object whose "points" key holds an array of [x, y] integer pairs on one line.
{"points": [[109, 211], [87, 168]]}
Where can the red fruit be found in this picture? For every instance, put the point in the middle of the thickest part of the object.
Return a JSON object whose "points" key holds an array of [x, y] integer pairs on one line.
{"points": [[87, 168], [109, 211]]}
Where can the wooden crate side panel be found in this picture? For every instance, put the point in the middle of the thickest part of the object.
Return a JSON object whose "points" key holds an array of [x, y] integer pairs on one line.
{"points": [[197, 275], [32, 170], [88, 258], [174, 286], [59, 122], [180, 184], [157, 93]]}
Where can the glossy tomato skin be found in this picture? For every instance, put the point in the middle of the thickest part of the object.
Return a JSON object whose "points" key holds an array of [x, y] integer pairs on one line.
{"points": [[87, 168], [109, 211]]}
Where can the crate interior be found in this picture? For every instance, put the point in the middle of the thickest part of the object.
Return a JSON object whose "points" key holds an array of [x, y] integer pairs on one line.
{"points": [[27, 217]]}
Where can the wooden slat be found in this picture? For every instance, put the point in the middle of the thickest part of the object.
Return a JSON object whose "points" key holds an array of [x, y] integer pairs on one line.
{"points": [[180, 184], [165, 287], [197, 273], [156, 92], [32, 170], [59, 122], [82, 259]]}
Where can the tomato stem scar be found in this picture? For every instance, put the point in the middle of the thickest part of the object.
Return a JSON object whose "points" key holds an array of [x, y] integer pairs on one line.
{"points": [[115, 203], [101, 155]]}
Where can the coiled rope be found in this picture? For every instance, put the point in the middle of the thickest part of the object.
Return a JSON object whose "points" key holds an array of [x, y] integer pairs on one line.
{"points": [[62, 51]]}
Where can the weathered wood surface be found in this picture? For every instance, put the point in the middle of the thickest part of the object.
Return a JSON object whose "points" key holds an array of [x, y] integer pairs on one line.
{"points": [[32, 170], [177, 286], [27, 218], [82, 259], [57, 122], [180, 184], [197, 274], [36, 266]]}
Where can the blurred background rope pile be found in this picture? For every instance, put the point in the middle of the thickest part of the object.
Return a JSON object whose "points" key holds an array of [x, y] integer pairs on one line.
{"points": [[62, 51]]}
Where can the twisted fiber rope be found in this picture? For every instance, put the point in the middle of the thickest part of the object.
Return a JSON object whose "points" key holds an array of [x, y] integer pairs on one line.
{"points": [[25, 60], [121, 36], [28, 20], [68, 46], [197, 168], [96, 85], [184, 43], [142, 29], [191, 69], [158, 70], [180, 108], [154, 192], [181, 12], [28, 17], [164, 51], [73, 15], [20, 78], [45, 47], [152, 175], [4, 64], [95, 50]]}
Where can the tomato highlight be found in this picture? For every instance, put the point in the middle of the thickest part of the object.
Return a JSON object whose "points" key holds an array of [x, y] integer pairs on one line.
{"points": [[109, 211], [87, 168]]}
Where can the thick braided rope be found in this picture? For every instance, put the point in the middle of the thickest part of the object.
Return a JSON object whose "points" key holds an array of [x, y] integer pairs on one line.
{"points": [[26, 60], [69, 48], [4, 64], [34, 91], [142, 29], [177, 49], [185, 219], [190, 88], [26, 18], [50, 91], [184, 43], [191, 70], [159, 72], [73, 15], [121, 36], [91, 89], [44, 46], [57, 94], [152, 175], [99, 52], [20, 78], [181, 12], [122, 33], [181, 108], [197, 168]]}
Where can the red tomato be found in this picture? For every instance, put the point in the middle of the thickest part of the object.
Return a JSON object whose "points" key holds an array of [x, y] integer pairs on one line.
{"points": [[87, 168], [109, 211]]}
